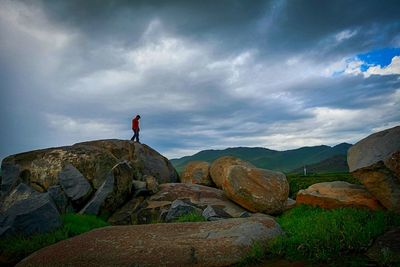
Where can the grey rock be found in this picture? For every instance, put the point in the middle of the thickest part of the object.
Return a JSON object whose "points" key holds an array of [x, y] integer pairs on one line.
{"points": [[75, 186], [214, 213], [59, 198], [179, 208], [374, 148], [114, 192], [9, 177], [25, 211], [94, 205], [244, 214]]}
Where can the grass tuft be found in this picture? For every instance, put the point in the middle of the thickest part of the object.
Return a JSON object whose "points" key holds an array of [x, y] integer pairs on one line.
{"points": [[191, 217]]}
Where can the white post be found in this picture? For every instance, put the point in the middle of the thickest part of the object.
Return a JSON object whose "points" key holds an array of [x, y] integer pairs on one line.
{"points": [[305, 170]]}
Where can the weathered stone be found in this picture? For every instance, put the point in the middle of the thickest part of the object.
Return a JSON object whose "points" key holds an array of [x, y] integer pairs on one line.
{"points": [[219, 243], [151, 212], [40, 169], [197, 172], [75, 186], [375, 162], [386, 248], [200, 195], [9, 177], [179, 208], [127, 213], [113, 192], [337, 194], [214, 213], [220, 167], [152, 184], [139, 185], [58, 197], [26, 212], [257, 190]]}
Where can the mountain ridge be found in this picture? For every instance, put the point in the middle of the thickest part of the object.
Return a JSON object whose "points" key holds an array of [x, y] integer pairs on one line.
{"points": [[286, 160]]}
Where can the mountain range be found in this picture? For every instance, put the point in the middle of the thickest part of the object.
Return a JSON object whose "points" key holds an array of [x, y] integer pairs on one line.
{"points": [[317, 159]]}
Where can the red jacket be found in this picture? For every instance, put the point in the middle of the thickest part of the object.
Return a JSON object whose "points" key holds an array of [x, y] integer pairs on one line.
{"points": [[135, 124]]}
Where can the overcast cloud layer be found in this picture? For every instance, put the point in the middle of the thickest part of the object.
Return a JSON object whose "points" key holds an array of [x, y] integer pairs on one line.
{"points": [[202, 74]]}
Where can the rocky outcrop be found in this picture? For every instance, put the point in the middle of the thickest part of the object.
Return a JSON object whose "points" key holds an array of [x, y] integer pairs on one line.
{"points": [[214, 213], [375, 162], [219, 243], [25, 211], [220, 167], [40, 169], [337, 194], [179, 208], [109, 178], [197, 172]]}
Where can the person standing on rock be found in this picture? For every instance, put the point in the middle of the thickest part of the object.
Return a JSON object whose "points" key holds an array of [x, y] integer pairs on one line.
{"points": [[135, 128]]}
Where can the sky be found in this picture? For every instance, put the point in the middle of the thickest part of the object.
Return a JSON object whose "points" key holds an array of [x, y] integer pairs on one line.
{"points": [[202, 74]]}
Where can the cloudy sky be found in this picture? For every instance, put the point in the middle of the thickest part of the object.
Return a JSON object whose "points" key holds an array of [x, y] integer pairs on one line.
{"points": [[202, 74]]}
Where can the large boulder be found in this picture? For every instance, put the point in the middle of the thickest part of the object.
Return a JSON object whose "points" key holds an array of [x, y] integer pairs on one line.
{"points": [[220, 167], [257, 190], [41, 168], [197, 172], [114, 192], [337, 194], [218, 243], [375, 161], [200, 195], [25, 211]]}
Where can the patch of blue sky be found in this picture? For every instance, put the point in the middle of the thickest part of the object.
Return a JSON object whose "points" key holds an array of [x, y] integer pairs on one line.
{"points": [[381, 57]]}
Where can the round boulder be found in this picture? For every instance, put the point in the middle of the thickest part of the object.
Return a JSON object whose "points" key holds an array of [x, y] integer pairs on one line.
{"points": [[257, 190], [220, 167], [197, 172]]}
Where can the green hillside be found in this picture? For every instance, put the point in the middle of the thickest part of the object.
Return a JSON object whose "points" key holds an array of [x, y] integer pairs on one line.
{"points": [[284, 161]]}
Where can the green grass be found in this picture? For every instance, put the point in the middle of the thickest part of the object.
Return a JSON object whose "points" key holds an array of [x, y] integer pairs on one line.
{"points": [[319, 235], [191, 217], [298, 182], [18, 247]]}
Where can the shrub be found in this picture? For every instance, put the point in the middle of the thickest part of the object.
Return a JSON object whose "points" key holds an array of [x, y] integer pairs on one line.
{"points": [[17, 247], [191, 217]]}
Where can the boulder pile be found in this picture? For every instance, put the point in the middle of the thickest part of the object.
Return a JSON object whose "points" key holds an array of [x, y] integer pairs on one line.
{"points": [[97, 177]]}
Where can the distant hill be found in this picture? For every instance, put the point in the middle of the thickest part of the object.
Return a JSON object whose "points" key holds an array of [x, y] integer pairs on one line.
{"points": [[284, 161], [333, 164]]}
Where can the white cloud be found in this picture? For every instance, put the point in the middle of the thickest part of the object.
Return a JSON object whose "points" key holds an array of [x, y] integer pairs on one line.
{"points": [[392, 68]]}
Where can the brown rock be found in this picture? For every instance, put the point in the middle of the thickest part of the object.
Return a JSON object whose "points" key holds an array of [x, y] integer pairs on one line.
{"points": [[290, 204], [197, 172], [126, 214], [152, 184], [199, 195], [257, 190], [218, 243], [337, 194], [375, 162], [220, 167], [40, 169]]}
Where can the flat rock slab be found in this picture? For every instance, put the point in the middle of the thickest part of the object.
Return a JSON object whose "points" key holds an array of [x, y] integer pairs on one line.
{"points": [[218, 243]]}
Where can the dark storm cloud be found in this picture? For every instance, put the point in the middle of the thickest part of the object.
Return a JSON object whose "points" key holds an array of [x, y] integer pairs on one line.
{"points": [[203, 74]]}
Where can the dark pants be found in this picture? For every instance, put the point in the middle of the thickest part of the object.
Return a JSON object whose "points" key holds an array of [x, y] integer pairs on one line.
{"points": [[136, 135]]}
